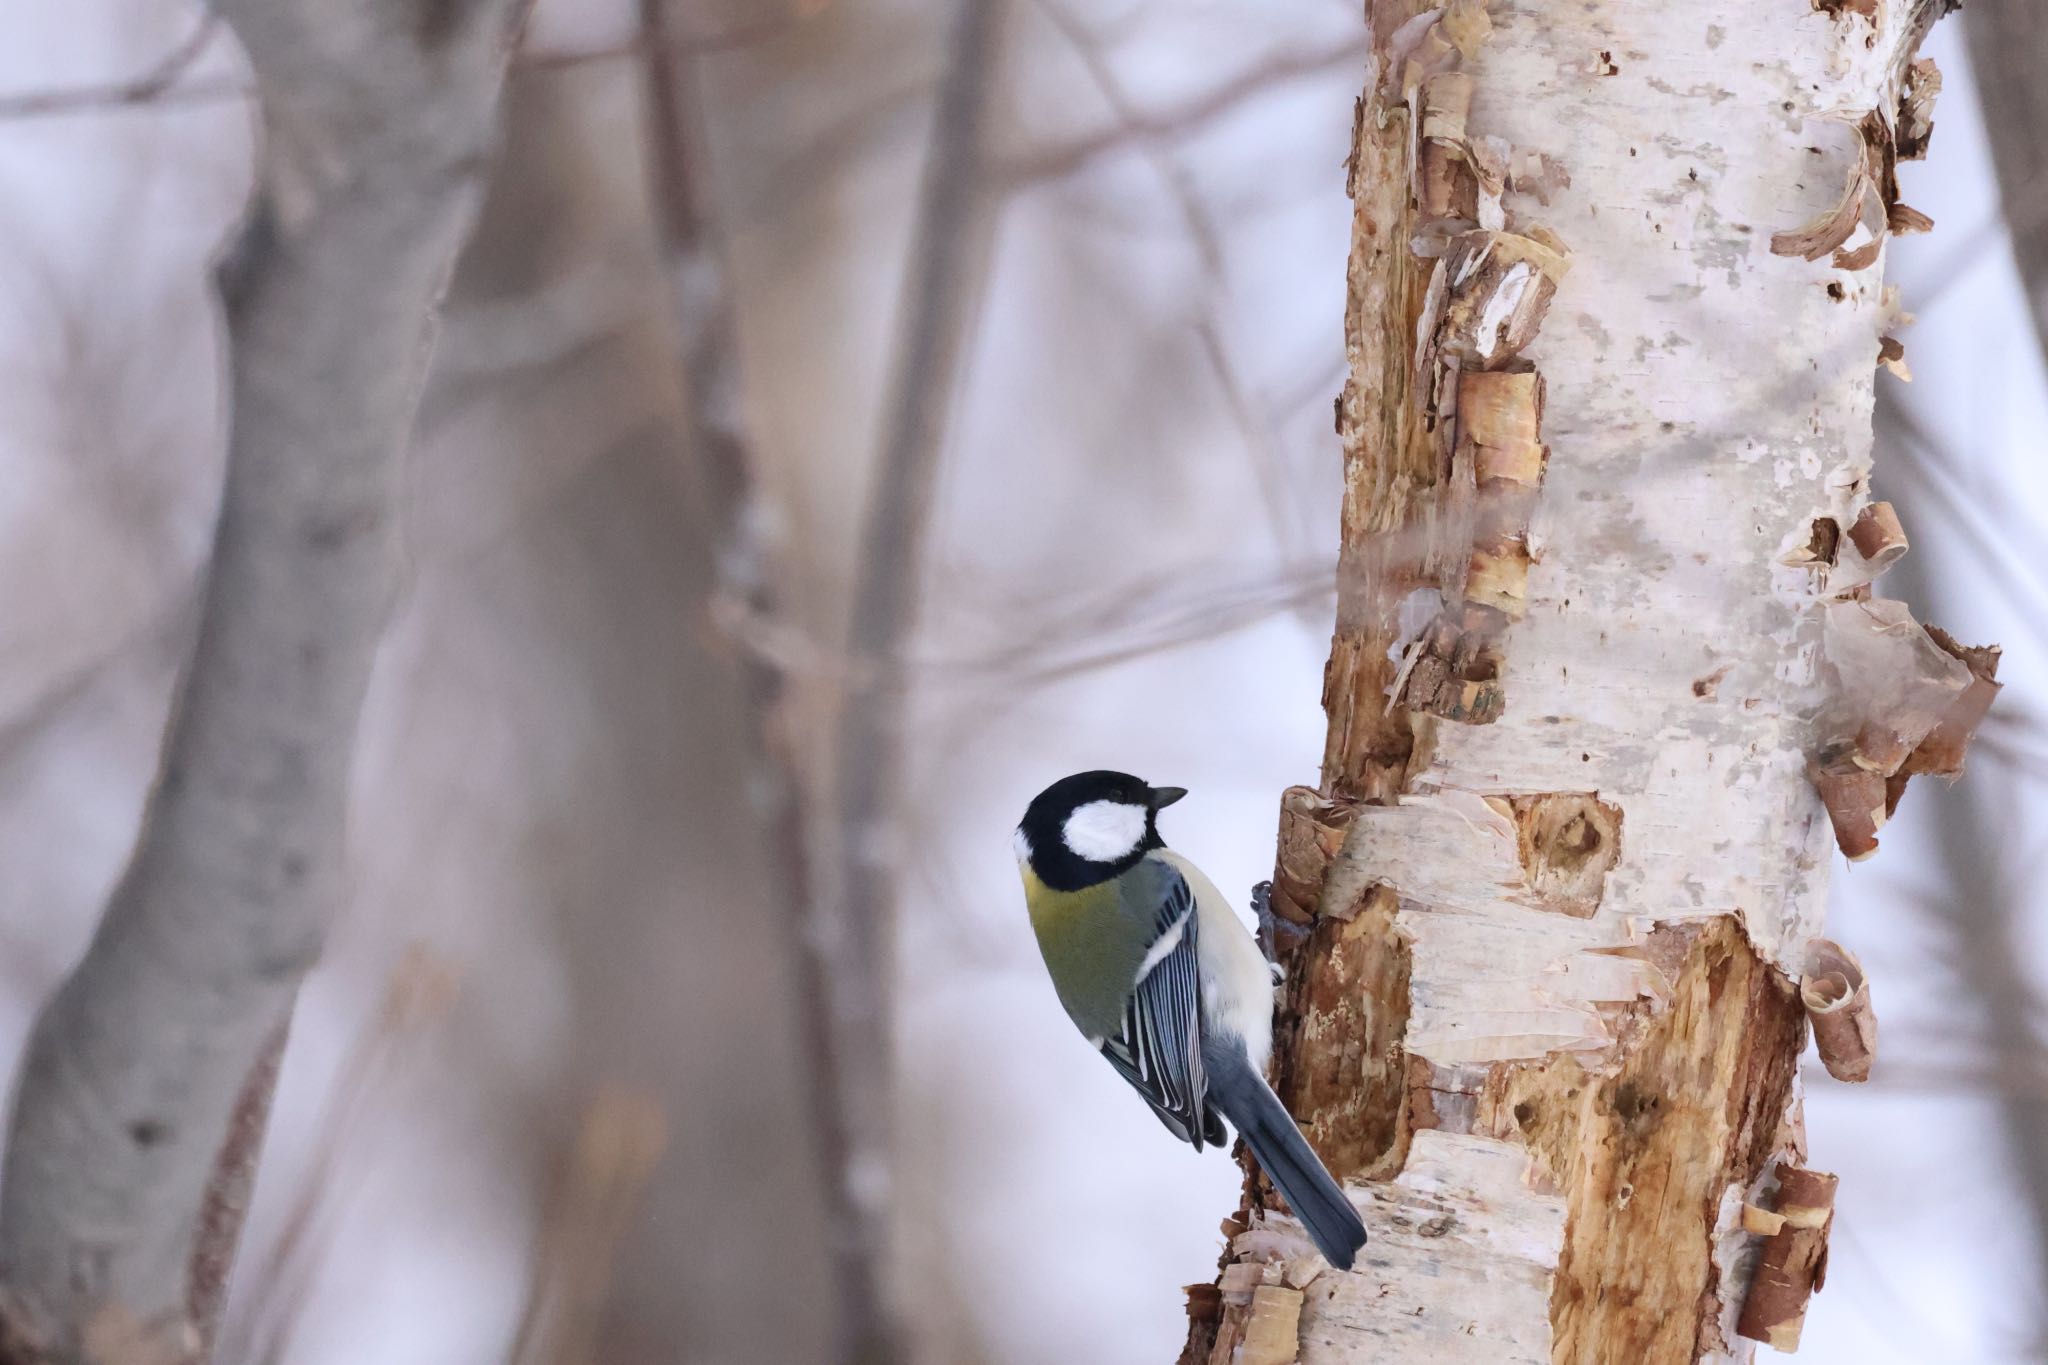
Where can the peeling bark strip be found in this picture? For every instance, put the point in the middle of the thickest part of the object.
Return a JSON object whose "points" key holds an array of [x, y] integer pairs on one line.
{"points": [[1897, 129], [1906, 700], [1604, 601], [1878, 536], [376, 127], [1837, 1001], [1262, 1325], [1487, 296], [1795, 1259]]}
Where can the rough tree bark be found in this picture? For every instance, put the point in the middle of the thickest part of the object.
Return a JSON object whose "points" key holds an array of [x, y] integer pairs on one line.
{"points": [[1607, 669], [144, 1075]]}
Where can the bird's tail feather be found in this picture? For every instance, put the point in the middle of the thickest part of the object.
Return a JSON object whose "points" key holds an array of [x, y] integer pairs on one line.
{"points": [[1283, 1153]]}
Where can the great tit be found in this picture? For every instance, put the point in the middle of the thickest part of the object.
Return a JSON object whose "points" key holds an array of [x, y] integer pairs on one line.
{"points": [[1159, 973]]}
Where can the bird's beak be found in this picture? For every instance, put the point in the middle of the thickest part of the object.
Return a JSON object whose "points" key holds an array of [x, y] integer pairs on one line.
{"points": [[1163, 797]]}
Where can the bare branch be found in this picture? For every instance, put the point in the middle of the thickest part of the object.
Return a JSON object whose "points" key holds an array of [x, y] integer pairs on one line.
{"points": [[377, 122], [1207, 240], [675, 42], [161, 84], [1132, 128], [694, 259], [150, 85], [855, 924]]}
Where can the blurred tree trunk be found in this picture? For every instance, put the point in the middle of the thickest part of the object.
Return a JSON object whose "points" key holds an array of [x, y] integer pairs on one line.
{"points": [[2008, 44], [1602, 633], [145, 1089], [575, 565], [1982, 917]]}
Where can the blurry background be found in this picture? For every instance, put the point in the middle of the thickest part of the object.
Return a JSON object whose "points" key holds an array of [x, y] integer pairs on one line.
{"points": [[548, 1095]]}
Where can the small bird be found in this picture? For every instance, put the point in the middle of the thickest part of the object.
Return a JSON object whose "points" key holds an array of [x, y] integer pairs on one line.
{"points": [[1158, 973]]}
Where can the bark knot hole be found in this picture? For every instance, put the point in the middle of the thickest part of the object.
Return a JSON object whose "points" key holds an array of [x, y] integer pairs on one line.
{"points": [[1567, 842], [1640, 1110]]}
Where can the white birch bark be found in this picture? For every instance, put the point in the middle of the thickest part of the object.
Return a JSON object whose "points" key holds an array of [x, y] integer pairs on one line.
{"points": [[1543, 1010]]}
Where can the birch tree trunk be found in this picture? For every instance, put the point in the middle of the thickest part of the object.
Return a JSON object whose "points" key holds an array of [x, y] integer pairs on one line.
{"points": [[1607, 669]]}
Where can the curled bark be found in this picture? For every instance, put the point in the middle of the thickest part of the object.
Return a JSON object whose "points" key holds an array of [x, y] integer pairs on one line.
{"points": [[1795, 1259], [1878, 536], [1906, 700], [377, 120], [1837, 1000]]}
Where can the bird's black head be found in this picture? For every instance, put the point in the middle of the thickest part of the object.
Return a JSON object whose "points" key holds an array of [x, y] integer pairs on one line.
{"points": [[1089, 827]]}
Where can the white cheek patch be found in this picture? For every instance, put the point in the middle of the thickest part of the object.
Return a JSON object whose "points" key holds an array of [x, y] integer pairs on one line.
{"points": [[1021, 844], [1104, 831]]}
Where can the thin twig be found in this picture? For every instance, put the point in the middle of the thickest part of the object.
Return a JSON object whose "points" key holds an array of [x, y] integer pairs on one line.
{"points": [[160, 85], [228, 1194], [151, 85], [1200, 225], [1045, 643], [1141, 129], [2008, 41], [1932, 471]]}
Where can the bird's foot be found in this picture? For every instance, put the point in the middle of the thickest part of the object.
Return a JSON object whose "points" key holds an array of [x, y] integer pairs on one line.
{"points": [[1271, 927]]}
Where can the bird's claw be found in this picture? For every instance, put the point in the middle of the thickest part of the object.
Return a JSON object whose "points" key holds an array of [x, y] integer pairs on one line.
{"points": [[1271, 926]]}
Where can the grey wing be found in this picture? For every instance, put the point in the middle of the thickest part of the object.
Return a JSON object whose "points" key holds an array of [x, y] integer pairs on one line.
{"points": [[1158, 1049]]}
